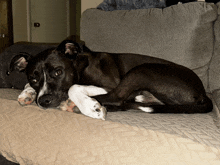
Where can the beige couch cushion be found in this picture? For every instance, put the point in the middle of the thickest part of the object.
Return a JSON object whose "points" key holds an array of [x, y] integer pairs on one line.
{"points": [[31, 136], [180, 33]]}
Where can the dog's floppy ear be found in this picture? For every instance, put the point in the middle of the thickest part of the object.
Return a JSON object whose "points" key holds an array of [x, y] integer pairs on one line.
{"points": [[19, 62], [70, 47]]}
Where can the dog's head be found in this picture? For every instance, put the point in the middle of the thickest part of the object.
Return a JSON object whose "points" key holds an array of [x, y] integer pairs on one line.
{"points": [[51, 73]]}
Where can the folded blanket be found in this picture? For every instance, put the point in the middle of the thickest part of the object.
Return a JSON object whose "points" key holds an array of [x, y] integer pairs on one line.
{"points": [[110, 5]]}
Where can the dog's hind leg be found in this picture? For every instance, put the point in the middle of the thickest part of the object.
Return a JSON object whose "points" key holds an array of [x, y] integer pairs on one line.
{"points": [[134, 81], [178, 88], [144, 97]]}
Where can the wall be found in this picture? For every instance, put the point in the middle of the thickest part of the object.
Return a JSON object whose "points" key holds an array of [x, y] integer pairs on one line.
{"points": [[86, 4], [6, 34], [20, 19], [19, 8], [3, 18], [19, 12], [77, 15]]}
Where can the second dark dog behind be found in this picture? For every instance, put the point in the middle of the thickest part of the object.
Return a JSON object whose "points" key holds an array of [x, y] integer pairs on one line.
{"points": [[96, 81]]}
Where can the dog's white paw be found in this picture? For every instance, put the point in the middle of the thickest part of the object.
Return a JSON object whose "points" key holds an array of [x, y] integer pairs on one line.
{"points": [[27, 96], [94, 109], [88, 106], [100, 112]]}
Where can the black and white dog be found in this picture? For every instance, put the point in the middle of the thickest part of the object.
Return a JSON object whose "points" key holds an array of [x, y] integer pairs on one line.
{"points": [[96, 81]]}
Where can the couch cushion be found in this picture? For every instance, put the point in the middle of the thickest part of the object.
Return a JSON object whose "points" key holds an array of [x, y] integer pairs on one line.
{"points": [[29, 135], [180, 33]]}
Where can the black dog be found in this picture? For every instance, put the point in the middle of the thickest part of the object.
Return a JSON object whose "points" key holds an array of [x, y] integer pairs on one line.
{"points": [[95, 80]]}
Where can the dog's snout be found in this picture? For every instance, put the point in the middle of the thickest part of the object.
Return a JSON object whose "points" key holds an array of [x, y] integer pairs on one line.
{"points": [[48, 101]]}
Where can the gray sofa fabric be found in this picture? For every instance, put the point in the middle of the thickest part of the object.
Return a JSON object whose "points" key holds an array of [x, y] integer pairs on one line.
{"points": [[182, 33]]}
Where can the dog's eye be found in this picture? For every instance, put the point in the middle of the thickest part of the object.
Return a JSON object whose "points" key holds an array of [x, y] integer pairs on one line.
{"points": [[32, 79], [58, 72], [8, 73]]}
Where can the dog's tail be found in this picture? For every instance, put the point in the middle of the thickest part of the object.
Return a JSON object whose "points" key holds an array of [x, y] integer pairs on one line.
{"points": [[202, 105]]}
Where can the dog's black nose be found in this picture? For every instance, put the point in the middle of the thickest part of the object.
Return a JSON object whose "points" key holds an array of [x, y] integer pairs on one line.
{"points": [[48, 101]]}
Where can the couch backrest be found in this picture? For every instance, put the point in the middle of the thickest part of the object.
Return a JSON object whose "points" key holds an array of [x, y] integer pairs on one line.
{"points": [[214, 71], [181, 33]]}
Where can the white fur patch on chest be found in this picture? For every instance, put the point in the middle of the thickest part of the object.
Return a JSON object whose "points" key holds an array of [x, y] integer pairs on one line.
{"points": [[44, 89]]}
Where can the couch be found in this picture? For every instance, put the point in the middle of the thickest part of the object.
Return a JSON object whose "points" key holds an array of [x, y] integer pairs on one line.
{"points": [[187, 34]]}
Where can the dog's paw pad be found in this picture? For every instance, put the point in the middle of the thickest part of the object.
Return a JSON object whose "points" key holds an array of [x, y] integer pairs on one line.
{"points": [[100, 111], [69, 106], [26, 98], [97, 107], [25, 101]]}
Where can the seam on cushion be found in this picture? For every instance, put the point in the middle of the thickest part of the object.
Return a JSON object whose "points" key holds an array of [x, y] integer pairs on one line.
{"points": [[213, 53], [207, 88], [215, 116]]}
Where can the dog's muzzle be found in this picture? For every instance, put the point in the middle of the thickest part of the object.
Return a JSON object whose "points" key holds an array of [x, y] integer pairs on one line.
{"points": [[48, 101]]}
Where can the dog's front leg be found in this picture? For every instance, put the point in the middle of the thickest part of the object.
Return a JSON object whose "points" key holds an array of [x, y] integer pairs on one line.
{"points": [[27, 96], [88, 106]]}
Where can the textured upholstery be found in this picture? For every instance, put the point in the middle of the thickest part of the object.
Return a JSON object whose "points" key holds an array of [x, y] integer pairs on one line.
{"points": [[32, 136]]}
